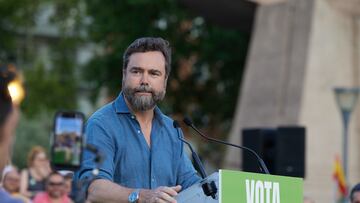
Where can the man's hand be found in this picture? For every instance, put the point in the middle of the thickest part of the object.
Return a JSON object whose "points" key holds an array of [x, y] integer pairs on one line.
{"points": [[159, 195]]}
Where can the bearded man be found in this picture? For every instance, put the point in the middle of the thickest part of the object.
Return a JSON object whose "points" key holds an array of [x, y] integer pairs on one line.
{"points": [[144, 158]]}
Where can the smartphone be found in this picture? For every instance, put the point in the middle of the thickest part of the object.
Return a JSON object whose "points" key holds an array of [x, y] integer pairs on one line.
{"points": [[67, 140]]}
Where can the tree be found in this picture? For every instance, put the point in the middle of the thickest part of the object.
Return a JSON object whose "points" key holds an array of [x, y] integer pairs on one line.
{"points": [[13, 14], [48, 87], [18, 35]]}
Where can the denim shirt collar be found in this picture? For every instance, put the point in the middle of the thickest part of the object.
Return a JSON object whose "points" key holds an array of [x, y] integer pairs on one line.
{"points": [[122, 108]]}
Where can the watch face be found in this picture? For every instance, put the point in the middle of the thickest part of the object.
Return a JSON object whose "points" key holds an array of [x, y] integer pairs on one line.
{"points": [[134, 196]]}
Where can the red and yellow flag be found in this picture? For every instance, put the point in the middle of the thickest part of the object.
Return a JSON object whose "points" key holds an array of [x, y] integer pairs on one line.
{"points": [[339, 177]]}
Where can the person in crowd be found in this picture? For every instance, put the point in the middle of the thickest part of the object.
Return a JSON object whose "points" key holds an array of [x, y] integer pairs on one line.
{"points": [[9, 116], [11, 183], [33, 178], [144, 158], [355, 194], [55, 190]]}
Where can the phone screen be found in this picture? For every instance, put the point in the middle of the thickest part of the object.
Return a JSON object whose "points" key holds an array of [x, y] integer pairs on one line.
{"points": [[68, 140]]}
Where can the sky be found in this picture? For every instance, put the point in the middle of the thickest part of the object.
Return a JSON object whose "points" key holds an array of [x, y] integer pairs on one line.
{"points": [[68, 125]]}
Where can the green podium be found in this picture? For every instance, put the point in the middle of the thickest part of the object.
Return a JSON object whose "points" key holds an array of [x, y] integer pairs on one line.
{"points": [[258, 188], [244, 187]]}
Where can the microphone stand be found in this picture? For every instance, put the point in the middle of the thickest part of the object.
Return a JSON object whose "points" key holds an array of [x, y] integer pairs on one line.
{"points": [[209, 189], [189, 123]]}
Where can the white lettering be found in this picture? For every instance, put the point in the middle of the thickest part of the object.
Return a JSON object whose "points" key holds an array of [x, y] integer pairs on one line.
{"points": [[267, 186], [250, 191], [259, 192], [276, 193]]}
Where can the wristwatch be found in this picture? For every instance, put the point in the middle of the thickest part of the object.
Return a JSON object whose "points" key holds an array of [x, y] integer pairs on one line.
{"points": [[134, 196]]}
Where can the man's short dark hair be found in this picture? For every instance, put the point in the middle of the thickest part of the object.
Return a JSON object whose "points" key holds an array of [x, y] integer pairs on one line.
{"points": [[146, 44], [356, 188]]}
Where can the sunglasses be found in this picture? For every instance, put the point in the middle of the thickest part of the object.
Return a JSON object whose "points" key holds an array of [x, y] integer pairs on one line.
{"points": [[56, 183]]}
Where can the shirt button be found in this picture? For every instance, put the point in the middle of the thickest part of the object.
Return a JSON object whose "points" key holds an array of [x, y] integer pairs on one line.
{"points": [[133, 117], [139, 131]]}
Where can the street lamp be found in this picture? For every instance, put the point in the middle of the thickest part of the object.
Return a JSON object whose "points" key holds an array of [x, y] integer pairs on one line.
{"points": [[346, 99]]}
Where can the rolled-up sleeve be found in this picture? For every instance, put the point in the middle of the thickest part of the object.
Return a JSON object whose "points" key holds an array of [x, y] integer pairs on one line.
{"points": [[97, 136]]}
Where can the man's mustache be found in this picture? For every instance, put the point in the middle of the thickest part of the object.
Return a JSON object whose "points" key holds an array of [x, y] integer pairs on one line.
{"points": [[144, 88]]}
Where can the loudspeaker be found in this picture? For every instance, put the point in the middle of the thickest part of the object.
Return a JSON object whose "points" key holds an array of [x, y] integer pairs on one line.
{"points": [[282, 149]]}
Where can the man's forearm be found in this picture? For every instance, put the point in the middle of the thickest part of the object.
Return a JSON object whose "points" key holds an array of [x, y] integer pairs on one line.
{"points": [[105, 191]]}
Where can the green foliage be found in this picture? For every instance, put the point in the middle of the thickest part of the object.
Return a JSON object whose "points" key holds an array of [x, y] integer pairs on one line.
{"points": [[13, 14], [29, 133], [52, 89], [48, 88], [48, 92]]}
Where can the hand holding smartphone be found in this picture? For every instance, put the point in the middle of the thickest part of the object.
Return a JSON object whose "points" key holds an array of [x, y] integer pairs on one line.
{"points": [[67, 140]]}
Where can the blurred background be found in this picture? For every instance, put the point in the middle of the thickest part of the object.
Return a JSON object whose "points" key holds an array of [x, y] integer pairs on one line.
{"points": [[237, 65]]}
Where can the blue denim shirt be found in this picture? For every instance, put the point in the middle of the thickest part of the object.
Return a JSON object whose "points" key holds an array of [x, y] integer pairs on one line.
{"points": [[129, 161]]}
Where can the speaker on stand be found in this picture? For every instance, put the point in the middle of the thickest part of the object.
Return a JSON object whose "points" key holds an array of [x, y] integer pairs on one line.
{"points": [[282, 149]]}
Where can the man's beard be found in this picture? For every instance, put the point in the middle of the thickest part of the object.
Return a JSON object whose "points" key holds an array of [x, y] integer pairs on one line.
{"points": [[142, 102]]}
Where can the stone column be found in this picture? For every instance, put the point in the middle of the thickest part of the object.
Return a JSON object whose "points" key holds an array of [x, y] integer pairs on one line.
{"points": [[301, 50], [273, 79]]}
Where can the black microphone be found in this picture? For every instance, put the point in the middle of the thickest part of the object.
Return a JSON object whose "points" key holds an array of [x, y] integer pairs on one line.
{"points": [[189, 123], [209, 188], [193, 153]]}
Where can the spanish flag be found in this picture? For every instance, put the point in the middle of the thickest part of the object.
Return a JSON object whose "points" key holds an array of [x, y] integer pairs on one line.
{"points": [[339, 177]]}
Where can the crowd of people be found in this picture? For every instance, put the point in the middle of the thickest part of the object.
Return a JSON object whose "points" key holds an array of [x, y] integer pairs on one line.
{"points": [[37, 183]]}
